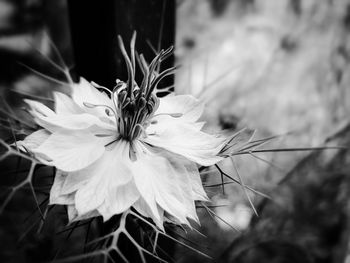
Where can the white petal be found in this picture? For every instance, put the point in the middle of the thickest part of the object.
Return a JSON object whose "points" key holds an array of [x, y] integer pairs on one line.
{"points": [[189, 106], [72, 151], [199, 125], [39, 108], [56, 196], [73, 214], [65, 105], [198, 192], [185, 171], [118, 200], [39, 111], [109, 172], [158, 179], [72, 122], [65, 118], [145, 186], [78, 179], [91, 196], [189, 169], [110, 166], [141, 206], [33, 140], [162, 123], [186, 140], [84, 92]]}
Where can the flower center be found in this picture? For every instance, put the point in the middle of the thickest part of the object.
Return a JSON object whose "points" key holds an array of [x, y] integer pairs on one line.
{"points": [[133, 111], [137, 104]]}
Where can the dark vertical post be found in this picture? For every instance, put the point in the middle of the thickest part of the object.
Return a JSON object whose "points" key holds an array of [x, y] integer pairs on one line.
{"points": [[93, 30], [96, 24]]}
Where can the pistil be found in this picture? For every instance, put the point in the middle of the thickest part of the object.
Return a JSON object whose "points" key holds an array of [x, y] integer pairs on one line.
{"points": [[135, 105]]}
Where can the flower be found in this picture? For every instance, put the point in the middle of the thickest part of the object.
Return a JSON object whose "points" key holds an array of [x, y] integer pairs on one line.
{"points": [[125, 148]]}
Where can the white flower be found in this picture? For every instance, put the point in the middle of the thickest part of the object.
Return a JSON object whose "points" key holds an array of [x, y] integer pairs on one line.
{"points": [[125, 149]]}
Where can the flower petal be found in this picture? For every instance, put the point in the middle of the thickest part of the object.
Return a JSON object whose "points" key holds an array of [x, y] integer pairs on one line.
{"points": [[198, 192], [141, 206], [65, 105], [118, 200], [108, 165], [72, 151], [39, 108], [186, 140], [84, 92], [189, 106], [78, 179], [159, 180], [38, 111], [91, 196], [189, 169], [109, 172], [73, 214], [72, 122], [33, 140], [56, 196]]}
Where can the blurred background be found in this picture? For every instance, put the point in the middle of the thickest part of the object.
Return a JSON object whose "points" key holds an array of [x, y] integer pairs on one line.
{"points": [[277, 67]]}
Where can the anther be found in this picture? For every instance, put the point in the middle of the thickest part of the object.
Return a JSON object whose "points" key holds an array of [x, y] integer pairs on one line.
{"points": [[97, 86], [121, 96], [142, 103], [149, 107], [121, 85], [125, 103]]}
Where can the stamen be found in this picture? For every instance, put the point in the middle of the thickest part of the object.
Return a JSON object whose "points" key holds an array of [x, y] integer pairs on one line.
{"points": [[102, 135], [141, 103], [117, 139], [126, 103], [90, 105], [145, 71], [159, 78], [135, 104], [129, 67], [153, 66], [135, 133], [120, 85], [132, 51], [174, 115], [100, 87], [122, 96], [132, 153]]}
